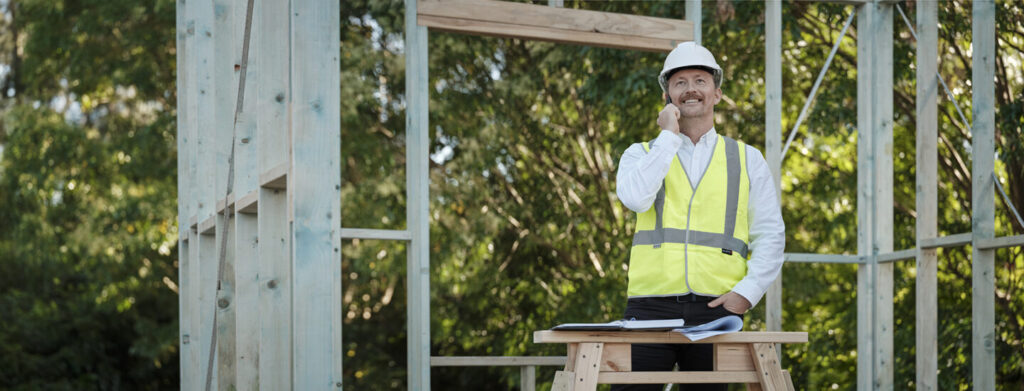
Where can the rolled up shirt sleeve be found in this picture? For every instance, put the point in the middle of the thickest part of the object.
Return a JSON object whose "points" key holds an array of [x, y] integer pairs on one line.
{"points": [[641, 173], [767, 231]]}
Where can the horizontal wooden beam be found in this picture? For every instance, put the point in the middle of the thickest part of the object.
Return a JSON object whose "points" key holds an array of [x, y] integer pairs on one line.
{"points": [[275, 177], [910, 253], [248, 203], [551, 336], [226, 203], [1001, 242], [677, 377], [822, 258], [946, 241], [563, 25], [207, 226], [375, 234], [496, 361]]}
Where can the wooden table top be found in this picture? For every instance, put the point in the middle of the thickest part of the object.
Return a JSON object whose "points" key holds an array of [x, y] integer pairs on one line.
{"points": [[549, 336]]}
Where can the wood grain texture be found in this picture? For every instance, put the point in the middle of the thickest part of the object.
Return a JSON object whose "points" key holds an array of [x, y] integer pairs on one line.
{"points": [[768, 370], [315, 179], [588, 364], [773, 136], [617, 357], [983, 344], [226, 310], [270, 24], [926, 286], [733, 357], [526, 16], [676, 377], [184, 138], [417, 211], [495, 29], [549, 336]]}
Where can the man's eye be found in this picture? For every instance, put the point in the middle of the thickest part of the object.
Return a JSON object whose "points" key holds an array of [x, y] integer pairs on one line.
{"points": [[700, 81]]}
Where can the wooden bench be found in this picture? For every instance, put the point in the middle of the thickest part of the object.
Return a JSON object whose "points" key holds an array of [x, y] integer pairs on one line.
{"points": [[603, 357]]}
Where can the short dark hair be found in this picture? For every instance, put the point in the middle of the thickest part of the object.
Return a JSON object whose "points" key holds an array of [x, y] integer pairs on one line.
{"points": [[716, 76]]}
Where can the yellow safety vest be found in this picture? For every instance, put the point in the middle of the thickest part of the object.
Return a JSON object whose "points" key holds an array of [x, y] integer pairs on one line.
{"points": [[694, 239]]}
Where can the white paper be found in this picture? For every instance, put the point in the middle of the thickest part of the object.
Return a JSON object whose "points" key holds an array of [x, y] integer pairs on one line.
{"points": [[723, 325]]}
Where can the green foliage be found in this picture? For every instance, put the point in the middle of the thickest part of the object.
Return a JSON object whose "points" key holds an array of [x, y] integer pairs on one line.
{"points": [[87, 184]]}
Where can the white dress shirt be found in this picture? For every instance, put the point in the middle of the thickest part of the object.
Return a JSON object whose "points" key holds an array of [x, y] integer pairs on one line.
{"points": [[641, 173]]}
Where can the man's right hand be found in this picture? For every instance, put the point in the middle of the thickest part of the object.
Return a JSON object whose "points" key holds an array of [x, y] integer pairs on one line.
{"points": [[668, 118]]}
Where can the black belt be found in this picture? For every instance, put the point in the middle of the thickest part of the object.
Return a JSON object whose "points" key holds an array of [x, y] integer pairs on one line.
{"points": [[687, 298]]}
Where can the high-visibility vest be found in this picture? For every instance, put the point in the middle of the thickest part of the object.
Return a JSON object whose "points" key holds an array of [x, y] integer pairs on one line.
{"points": [[694, 239]]}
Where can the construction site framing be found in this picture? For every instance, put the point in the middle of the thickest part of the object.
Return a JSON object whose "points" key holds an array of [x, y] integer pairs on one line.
{"points": [[259, 180]]}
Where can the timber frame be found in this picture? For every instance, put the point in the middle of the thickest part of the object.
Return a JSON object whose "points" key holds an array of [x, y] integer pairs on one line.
{"points": [[262, 188]]}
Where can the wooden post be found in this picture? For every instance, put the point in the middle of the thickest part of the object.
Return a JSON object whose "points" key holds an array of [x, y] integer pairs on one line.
{"points": [[273, 140], [882, 103], [246, 239], [315, 183], [417, 204], [225, 81], [185, 204], [773, 136], [927, 200], [225, 305], [983, 355], [865, 199], [206, 273], [874, 196], [693, 14]]}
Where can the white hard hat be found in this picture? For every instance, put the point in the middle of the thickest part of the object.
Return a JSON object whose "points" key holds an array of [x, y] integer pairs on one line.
{"points": [[686, 55]]}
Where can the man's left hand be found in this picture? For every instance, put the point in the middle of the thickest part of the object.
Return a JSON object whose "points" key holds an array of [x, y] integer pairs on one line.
{"points": [[732, 301]]}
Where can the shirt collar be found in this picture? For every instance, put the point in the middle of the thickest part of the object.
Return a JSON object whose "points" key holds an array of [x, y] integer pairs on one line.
{"points": [[707, 139]]}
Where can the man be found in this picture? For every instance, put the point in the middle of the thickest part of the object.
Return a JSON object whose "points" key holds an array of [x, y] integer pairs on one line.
{"points": [[702, 202]]}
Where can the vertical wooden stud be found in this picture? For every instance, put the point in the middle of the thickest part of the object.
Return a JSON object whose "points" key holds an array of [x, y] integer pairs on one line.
{"points": [[273, 143], [225, 82], [983, 354], [417, 207], [225, 304], [927, 199], [315, 182], [247, 323], [773, 135], [184, 144], [206, 272], [865, 197], [882, 105], [693, 14], [874, 195]]}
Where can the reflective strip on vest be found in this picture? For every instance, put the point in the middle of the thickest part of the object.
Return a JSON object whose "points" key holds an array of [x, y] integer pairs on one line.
{"points": [[726, 241]]}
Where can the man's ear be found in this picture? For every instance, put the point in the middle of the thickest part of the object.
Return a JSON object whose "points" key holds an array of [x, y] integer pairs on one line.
{"points": [[718, 95]]}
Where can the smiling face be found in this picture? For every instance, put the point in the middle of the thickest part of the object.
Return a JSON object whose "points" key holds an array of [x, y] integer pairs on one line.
{"points": [[693, 91]]}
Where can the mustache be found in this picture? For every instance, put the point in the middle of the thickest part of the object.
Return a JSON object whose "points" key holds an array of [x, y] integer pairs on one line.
{"points": [[692, 95]]}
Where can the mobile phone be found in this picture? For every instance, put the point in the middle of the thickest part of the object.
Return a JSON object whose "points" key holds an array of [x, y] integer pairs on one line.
{"points": [[668, 99]]}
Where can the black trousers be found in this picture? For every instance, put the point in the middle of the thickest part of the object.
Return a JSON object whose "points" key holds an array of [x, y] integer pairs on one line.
{"points": [[662, 357]]}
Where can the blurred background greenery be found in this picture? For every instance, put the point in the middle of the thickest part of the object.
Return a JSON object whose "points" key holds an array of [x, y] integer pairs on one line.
{"points": [[526, 230]]}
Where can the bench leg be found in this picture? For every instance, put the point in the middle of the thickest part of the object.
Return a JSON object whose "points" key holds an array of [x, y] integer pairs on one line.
{"points": [[563, 381], [588, 364], [785, 374], [766, 361]]}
